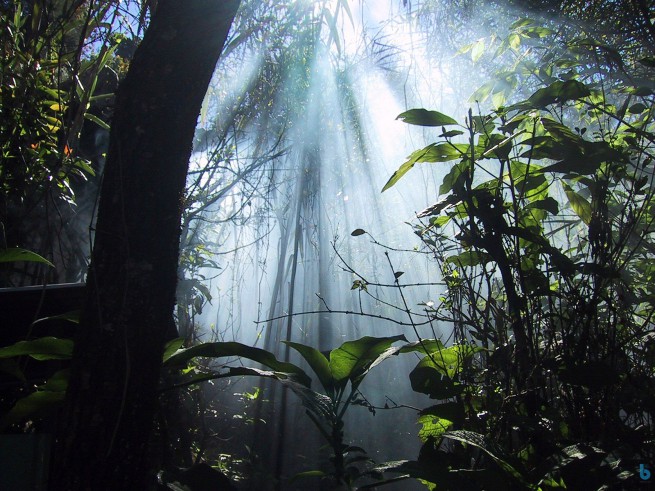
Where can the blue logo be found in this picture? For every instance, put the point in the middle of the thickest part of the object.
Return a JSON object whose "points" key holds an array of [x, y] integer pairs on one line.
{"points": [[643, 472]]}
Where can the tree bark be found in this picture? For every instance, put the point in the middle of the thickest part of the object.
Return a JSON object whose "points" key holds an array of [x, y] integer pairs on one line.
{"points": [[128, 315]]}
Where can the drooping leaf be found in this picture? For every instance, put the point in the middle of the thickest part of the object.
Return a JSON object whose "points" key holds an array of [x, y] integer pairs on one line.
{"points": [[579, 204], [477, 50], [72, 316], [469, 258], [423, 117], [16, 254], [97, 120], [439, 206], [424, 346], [441, 152], [46, 348], [549, 204], [353, 359], [306, 474], [227, 349], [171, 348], [557, 92], [427, 379], [317, 361], [454, 180]]}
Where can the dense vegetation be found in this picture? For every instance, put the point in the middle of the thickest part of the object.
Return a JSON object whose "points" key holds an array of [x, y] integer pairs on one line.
{"points": [[542, 232]]}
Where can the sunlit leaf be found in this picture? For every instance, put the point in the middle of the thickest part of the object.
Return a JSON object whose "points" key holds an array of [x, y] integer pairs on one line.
{"points": [[97, 120], [353, 359], [477, 50], [557, 92], [172, 347], [423, 117], [441, 152], [15, 254], [228, 349], [317, 361], [432, 426], [580, 205]]}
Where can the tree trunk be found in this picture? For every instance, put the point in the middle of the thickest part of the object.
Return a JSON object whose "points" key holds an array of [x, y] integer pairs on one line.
{"points": [[127, 318]]}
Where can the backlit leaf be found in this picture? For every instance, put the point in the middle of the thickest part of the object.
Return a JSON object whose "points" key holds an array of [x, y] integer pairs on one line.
{"points": [[353, 359], [423, 117], [16, 254], [580, 205]]}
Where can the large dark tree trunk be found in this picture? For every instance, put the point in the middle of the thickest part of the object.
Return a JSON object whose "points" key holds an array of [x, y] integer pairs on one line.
{"points": [[112, 396]]}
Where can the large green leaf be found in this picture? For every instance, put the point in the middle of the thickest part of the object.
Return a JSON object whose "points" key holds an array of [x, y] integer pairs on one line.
{"points": [[432, 426], [435, 152], [427, 379], [353, 359], [558, 92], [220, 350], [16, 254], [423, 117], [172, 347], [317, 361], [580, 205], [47, 348], [424, 346]]}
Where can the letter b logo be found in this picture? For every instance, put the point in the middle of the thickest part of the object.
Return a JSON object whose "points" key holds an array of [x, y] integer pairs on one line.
{"points": [[643, 472]]}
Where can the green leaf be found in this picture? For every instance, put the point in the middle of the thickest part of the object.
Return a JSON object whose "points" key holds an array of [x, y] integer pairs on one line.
{"points": [[453, 411], [514, 41], [469, 258], [424, 346], [426, 379], [637, 108], [171, 348], [15, 254], [432, 426], [353, 359], [454, 180], [477, 50], [558, 92], [441, 152], [317, 361], [580, 205], [226, 349], [39, 403], [47, 348], [423, 117], [73, 316], [97, 120], [306, 474], [549, 204]]}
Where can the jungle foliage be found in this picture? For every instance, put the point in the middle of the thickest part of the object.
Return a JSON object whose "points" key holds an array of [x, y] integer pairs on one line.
{"points": [[544, 236], [543, 233]]}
